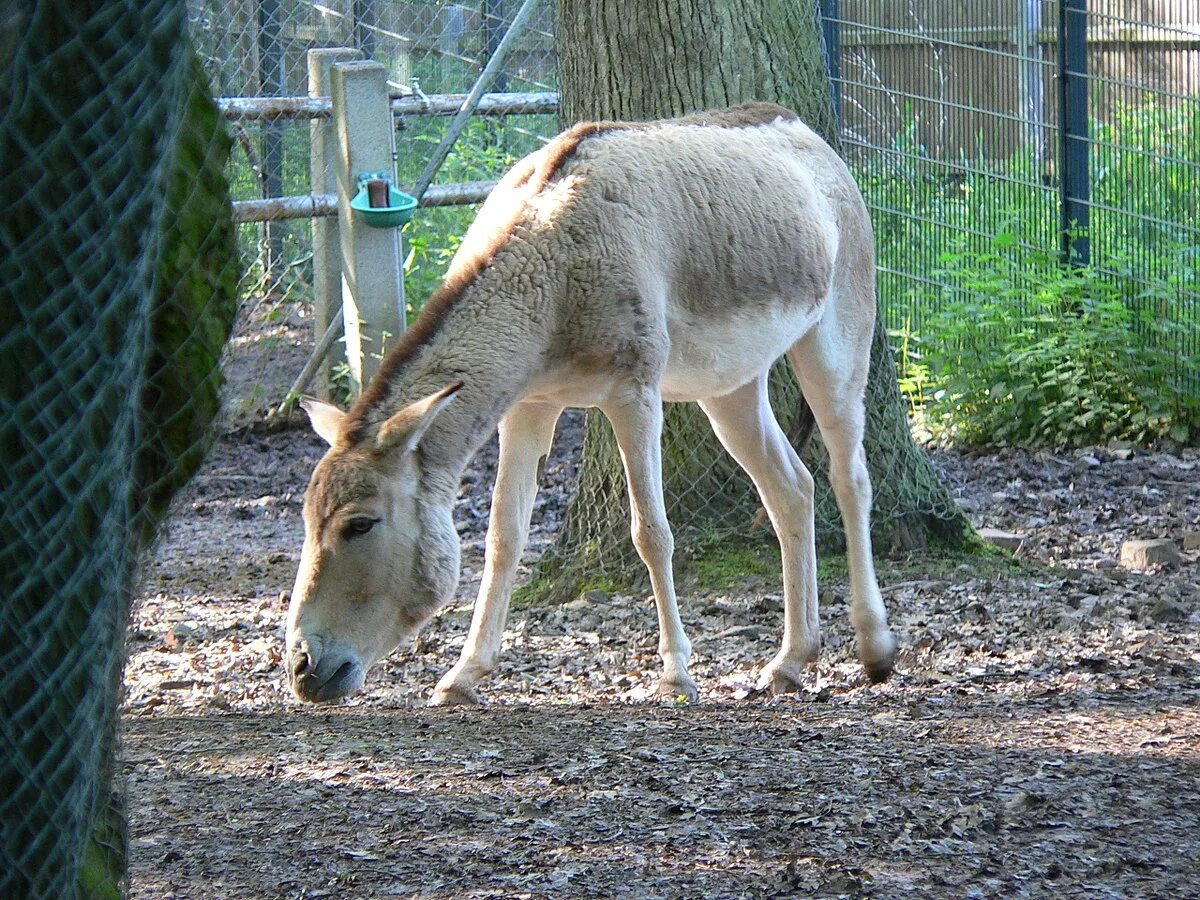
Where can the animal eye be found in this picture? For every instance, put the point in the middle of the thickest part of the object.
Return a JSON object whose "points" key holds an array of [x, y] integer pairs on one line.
{"points": [[358, 526]]}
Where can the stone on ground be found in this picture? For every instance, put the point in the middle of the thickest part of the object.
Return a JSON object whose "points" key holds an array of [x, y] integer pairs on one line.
{"points": [[1006, 540], [1145, 554]]}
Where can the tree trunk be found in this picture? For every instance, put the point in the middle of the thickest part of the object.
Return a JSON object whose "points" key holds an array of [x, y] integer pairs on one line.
{"points": [[117, 280], [650, 59]]}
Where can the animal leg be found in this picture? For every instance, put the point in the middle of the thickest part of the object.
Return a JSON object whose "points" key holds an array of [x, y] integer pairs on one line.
{"points": [[833, 376], [525, 437], [746, 426], [637, 423]]}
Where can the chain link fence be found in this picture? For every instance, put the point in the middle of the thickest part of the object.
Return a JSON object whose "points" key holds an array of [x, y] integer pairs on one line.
{"points": [[721, 533], [950, 116], [433, 48], [258, 48], [117, 276]]}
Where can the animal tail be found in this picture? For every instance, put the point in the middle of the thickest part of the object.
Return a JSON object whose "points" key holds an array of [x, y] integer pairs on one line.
{"points": [[802, 425]]}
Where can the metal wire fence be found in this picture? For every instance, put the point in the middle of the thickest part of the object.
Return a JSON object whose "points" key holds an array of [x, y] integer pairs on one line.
{"points": [[117, 273], [1068, 130], [964, 122], [1042, 131], [257, 48]]}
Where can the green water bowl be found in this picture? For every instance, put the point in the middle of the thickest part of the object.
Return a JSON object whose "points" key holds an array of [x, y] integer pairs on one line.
{"points": [[398, 211]]}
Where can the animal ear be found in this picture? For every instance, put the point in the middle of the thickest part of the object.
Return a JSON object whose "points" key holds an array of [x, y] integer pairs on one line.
{"points": [[325, 417], [404, 429]]}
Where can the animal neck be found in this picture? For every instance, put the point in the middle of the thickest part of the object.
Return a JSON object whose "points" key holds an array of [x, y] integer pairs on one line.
{"points": [[493, 341]]}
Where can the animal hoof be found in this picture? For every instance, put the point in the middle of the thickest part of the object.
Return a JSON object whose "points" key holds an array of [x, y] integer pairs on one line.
{"points": [[782, 679], [678, 689], [879, 662], [785, 673], [455, 695]]}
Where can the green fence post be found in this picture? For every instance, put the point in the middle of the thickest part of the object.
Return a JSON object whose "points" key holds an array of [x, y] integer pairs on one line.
{"points": [[1074, 181], [831, 32]]}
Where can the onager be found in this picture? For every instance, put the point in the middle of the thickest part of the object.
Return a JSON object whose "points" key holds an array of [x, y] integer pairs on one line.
{"points": [[622, 265]]}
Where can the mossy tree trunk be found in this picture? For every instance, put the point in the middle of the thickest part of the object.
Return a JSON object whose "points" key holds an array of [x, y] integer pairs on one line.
{"points": [[650, 59], [117, 290]]}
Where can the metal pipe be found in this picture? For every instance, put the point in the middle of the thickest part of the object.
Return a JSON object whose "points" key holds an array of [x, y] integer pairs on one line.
{"points": [[1031, 89], [472, 100], [268, 109], [315, 206], [324, 345], [272, 78], [831, 33], [363, 12], [463, 194], [310, 206], [493, 20], [1074, 181], [491, 104]]}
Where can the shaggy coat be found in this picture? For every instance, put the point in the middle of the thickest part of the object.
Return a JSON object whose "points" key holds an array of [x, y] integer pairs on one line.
{"points": [[622, 265]]}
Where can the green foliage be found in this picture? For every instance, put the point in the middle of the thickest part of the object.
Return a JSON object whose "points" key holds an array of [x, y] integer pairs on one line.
{"points": [[997, 342], [1145, 162], [1049, 355], [103, 866], [913, 375]]}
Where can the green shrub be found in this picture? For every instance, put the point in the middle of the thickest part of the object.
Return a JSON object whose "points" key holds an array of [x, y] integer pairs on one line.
{"points": [[485, 151], [1048, 355], [996, 342]]}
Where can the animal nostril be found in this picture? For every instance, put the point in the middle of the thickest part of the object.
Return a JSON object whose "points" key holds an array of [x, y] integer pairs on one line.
{"points": [[301, 660]]}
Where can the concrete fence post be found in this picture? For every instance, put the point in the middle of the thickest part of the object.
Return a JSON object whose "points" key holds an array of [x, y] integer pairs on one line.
{"points": [[326, 241], [372, 277]]}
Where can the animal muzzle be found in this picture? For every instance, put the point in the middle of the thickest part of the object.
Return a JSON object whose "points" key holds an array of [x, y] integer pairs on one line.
{"points": [[322, 676]]}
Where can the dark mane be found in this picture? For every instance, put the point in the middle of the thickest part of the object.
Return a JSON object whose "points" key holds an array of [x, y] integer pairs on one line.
{"points": [[744, 115], [529, 180]]}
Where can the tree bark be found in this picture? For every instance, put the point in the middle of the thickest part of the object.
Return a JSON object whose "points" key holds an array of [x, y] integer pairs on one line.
{"points": [[117, 291], [650, 59]]}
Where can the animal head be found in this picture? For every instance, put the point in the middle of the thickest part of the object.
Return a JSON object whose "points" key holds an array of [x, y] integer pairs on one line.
{"points": [[380, 553]]}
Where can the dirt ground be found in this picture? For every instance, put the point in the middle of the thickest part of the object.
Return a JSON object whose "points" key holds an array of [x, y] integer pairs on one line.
{"points": [[1041, 736]]}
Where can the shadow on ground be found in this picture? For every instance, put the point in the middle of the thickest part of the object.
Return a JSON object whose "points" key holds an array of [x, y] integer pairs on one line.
{"points": [[1089, 795]]}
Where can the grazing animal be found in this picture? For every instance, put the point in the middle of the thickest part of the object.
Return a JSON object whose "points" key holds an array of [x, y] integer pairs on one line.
{"points": [[622, 265]]}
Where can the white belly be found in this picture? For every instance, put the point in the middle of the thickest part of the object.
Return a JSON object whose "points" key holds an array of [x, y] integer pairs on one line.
{"points": [[710, 359]]}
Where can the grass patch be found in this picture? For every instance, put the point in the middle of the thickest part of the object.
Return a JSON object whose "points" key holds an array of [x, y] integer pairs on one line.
{"points": [[984, 560], [751, 565], [545, 589], [712, 566]]}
